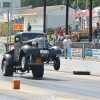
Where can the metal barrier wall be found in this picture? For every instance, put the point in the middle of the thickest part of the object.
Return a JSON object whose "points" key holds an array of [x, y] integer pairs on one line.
{"points": [[81, 50]]}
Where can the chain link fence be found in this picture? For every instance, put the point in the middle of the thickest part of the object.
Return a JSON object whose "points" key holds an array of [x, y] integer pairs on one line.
{"points": [[81, 50]]}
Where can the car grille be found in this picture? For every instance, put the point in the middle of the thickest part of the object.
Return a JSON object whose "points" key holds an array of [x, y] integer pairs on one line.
{"points": [[42, 43]]}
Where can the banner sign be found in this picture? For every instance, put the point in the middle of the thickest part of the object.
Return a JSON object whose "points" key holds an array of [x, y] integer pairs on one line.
{"points": [[96, 53], [92, 53], [74, 52], [88, 53], [18, 27], [69, 53]]}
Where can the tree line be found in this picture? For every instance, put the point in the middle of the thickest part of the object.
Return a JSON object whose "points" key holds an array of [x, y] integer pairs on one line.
{"points": [[72, 3]]}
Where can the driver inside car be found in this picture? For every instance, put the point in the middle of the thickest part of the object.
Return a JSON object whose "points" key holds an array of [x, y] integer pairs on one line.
{"points": [[17, 39]]}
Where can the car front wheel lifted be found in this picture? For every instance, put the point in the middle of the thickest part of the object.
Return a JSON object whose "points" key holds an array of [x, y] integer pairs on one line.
{"points": [[24, 63], [57, 63]]}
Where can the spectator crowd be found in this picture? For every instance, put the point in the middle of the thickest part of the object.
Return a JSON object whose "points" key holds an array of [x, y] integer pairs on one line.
{"points": [[60, 36], [80, 36]]}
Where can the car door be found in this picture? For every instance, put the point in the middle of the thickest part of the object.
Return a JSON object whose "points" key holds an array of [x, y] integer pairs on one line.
{"points": [[17, 47]]}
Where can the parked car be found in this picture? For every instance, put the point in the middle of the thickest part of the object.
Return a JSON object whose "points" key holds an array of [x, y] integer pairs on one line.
{"points": [[31, 52]]}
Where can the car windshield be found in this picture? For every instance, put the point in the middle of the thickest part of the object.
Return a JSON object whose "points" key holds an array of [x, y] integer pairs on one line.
{"points": [[29, 36]]}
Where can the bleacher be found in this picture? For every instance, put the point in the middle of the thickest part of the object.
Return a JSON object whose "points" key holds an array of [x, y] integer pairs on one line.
{"points": [[84, 34]]}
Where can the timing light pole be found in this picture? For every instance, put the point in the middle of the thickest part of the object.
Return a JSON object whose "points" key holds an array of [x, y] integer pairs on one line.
{"points": [[90, 25], [67, 14]]}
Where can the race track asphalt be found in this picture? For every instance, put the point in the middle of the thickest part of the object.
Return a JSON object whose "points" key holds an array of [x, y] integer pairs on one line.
{"points": [[53, 86]]}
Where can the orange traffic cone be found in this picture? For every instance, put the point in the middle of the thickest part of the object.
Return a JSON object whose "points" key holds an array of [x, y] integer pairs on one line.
{"points": [[16, 84]]}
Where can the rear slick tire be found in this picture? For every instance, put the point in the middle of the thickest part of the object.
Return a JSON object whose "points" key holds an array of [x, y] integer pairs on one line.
{"points": [[6, 69], [38, 71]]}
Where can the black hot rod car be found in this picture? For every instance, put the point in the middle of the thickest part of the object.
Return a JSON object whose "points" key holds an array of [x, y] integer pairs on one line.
{"points": [[31, 52]]}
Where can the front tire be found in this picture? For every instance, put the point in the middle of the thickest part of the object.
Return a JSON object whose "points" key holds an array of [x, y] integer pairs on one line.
{"points": [[24, 64], [57, 63], [6, 69], [38, 71]]}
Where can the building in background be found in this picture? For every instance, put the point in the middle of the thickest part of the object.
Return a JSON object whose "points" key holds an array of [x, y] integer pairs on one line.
{"points": [[55, 17], [14, 7], [5, 4], [95, 18], [8, 4]]}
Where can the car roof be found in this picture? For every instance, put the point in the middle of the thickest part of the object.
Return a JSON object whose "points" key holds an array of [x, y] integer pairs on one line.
{"points": [[20, 33]]}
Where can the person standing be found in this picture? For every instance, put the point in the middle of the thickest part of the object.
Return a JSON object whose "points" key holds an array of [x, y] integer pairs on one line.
{"points": [[61, 35], [95, 42], [76, 24], [56, 38], [97, 29], [50, 38], [57, 31], [66, 44], [29, 27]]}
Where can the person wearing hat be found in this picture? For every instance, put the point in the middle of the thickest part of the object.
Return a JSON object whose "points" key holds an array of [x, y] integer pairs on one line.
{"points": [[66, 45]]}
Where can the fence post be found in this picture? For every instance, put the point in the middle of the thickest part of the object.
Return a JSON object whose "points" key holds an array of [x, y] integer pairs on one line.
{"points": [[65, 52], [83, 51]]}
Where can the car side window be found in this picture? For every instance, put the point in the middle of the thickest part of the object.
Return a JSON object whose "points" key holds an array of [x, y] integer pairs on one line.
{"points": [[17, 39]]}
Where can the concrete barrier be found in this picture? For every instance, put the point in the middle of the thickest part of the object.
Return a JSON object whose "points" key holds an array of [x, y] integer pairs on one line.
{"points": [[68, 65]]}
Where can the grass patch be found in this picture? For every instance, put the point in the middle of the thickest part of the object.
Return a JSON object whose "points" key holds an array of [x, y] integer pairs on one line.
{"points": [[12, 38], [52, 36]]}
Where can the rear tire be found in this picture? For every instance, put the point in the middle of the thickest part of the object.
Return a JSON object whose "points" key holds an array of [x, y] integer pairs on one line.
{"points": [[57, 63], [6, 69], [38, 71]]}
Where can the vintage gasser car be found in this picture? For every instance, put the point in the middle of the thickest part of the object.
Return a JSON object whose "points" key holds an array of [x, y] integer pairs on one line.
{"points": [[31, 52]]}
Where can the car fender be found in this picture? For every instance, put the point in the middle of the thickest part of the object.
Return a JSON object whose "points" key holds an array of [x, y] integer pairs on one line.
{"points": [[30, 50], [8, 58], [55, 50]]}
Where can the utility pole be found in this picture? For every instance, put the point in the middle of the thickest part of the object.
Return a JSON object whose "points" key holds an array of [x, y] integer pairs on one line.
{"points": [[44, 23], [8, 34], [67, 15], [90, 25], [86, 22], [10, 22]]}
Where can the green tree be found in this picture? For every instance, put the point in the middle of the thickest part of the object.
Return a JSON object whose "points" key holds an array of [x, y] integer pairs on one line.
{"points": [[72, 3]]}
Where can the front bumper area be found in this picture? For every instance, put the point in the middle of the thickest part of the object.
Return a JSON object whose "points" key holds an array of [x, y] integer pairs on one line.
{"points": [[42, 64], [36, 64]]}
